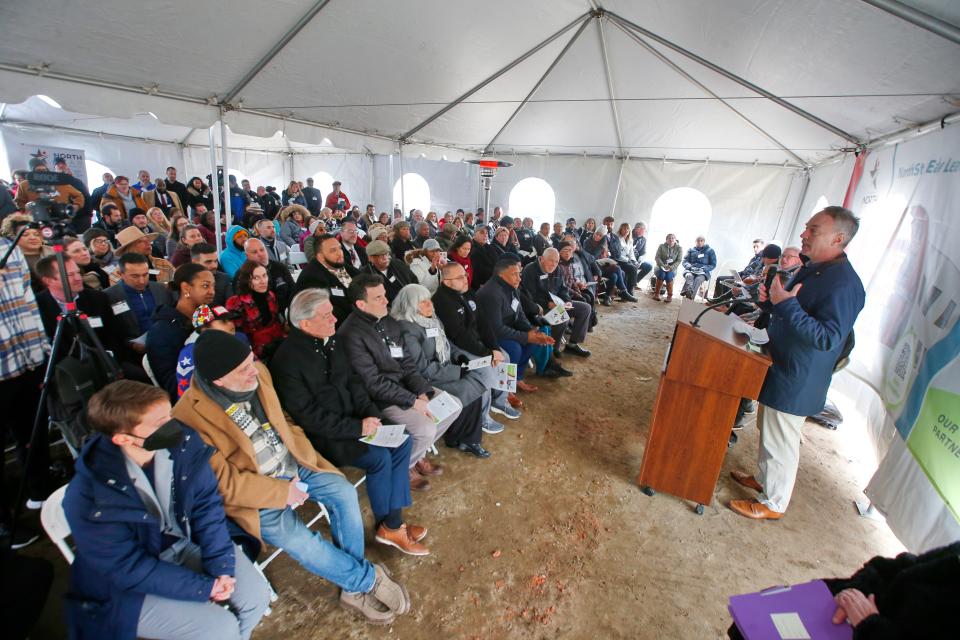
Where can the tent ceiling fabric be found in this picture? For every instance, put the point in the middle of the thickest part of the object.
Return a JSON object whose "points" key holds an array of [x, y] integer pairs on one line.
{"points": [[366, 71]]}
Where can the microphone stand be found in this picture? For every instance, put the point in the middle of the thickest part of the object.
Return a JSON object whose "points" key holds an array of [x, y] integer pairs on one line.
{"points": [[716, 302]]}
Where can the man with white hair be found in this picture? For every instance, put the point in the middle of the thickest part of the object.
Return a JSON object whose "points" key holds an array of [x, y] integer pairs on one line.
{"points": [[281, 282], [542, 281], [312, 375], [698, 264]]}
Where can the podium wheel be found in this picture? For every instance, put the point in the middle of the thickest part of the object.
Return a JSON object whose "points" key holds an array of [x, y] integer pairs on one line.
{"points": [[648, 491], [698, 509]]}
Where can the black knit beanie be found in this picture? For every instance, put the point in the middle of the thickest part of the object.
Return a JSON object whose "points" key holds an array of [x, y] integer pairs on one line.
{"points": [[217, 353]]}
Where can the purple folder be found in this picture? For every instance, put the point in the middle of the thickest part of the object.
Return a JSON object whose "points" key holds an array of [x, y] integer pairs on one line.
{"points": [[789, 613]]}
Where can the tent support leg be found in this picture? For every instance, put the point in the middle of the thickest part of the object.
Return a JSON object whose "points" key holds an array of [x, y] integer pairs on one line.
{"points": [[215, 186], [226, 174], [403, 191]]}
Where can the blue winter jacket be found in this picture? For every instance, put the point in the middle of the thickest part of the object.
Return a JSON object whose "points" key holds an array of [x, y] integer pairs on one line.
{"points": [[704, 259], [232, 258], [807, 333], [119, 542]]}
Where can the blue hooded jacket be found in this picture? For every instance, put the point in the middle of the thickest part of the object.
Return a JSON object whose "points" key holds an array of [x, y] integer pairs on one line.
{"points": [[119, 542], [232, 258]]}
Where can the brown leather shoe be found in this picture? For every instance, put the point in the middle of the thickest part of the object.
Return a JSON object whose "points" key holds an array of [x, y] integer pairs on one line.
{"points": [[754, 510], [400, 539], [514, 401], [526, 387], [426, 468], [416, 533], [746, 480], [418, 482]]}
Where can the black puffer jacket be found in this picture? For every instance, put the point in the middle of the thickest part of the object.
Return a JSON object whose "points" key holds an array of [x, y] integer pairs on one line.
{"points": [[317, 387], [389, 380]]}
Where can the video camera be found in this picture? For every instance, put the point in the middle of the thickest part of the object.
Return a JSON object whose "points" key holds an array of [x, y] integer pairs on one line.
{"points": [[46, 211]]}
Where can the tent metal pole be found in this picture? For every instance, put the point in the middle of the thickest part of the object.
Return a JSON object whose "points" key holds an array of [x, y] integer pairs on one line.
{"points": [[919, 18], [732, 76], [215, 186], [612, 93], [670, 63], [226, 174], [523, 103], [616, 193], [403, 191], [497, 74], [275, 49], [803, 196]]}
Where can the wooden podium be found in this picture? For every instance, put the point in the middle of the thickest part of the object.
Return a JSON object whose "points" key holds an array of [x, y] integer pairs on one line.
{"points": [[707, 370]]}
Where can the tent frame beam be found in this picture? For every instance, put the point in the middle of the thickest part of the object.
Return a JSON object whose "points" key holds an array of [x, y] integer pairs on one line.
{"points": [[275, 50], [670, 63], [543, 78], [510, 65], [734, 77], [918, 18], [610, 91]]}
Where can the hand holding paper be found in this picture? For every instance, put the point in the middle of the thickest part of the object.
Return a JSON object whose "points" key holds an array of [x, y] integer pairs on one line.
{"points": [[387, 435]]}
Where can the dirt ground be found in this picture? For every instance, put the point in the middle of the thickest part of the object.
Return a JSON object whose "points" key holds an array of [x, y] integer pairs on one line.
{"points": [[551, 537]]}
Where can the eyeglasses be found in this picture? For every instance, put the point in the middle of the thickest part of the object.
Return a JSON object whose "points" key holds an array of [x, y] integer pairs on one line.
{"points": [[100, 241]]}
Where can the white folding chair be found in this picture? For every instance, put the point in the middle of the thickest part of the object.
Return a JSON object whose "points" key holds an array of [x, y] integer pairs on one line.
{"points": [[146, 367], [55, 523]]}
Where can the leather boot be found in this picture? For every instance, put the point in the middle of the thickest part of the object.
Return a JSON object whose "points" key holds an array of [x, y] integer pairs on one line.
{"points": [[656, 289], [669, 291]]}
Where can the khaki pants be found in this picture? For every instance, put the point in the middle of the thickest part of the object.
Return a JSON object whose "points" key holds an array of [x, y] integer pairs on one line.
{"points": [[423, 431], [779, 456]]}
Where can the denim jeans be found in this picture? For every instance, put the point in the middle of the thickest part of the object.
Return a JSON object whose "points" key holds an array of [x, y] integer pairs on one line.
{"points": [[388, 479], [519, 353], [341, 562]]}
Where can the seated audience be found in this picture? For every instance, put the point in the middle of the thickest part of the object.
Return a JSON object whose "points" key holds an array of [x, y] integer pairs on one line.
{"points": [[277, 250], [459, 253], [439, 362], [233, 255], [483, 257], [111, 220], [135, 299], [124, 196], [424, 232], [293, 224], [402, 241], [353, 250], [540, 279], [178, 222], [619, 253], [374, 343], [755, 265], [132, 240], [668, 259], [257, 309], [154, 557], [260, 472], [328, 270], [189, 236], [425, 264], [395, 273], [455, 306], [206, 255], [164, 199], [101, 250], [574, 274], [281, 282], [30, 243], [212, 317], [446, 236], [698, 264], [502, 321], [173, 323], [317, 387], [628, 241], [94, 276], [596, 246], [198, 194]]}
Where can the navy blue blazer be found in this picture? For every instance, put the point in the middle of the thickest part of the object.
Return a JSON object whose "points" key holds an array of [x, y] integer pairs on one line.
{"points": [[119, 542], [807, 333]]}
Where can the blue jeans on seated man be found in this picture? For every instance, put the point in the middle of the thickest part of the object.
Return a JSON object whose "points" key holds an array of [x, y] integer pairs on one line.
{"points": [[388, 479], [341, 562], [518, 353]]}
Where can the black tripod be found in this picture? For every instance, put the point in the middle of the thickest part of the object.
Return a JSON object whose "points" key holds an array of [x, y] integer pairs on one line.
{"points": [[83, 335]]}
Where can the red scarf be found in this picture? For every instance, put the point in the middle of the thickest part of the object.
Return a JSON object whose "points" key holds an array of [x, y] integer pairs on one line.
{"points": [[465, 263]]}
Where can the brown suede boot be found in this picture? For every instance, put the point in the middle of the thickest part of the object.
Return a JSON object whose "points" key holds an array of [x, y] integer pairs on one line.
{"points": [[417, 481], [669, 291], [656, 289]]}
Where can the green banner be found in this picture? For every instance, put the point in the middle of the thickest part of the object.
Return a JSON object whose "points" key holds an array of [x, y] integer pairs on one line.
{"points": [[935, 443]]}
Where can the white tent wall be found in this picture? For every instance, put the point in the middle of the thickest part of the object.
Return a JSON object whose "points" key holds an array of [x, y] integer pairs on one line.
{"points": [[123, 157], [453, 185], [827, 182]]}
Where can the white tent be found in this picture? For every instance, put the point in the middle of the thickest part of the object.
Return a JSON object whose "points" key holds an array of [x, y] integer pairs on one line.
{"points": [[757, 104]]}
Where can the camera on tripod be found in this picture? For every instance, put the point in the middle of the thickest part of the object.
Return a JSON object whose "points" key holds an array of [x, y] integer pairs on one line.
{"points": [[50, 214]]}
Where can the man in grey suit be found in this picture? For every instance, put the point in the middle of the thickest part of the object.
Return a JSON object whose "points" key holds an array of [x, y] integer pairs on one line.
{"points": [[135, 298]]}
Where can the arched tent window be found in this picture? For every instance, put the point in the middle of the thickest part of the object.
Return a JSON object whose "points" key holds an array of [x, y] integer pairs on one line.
{"points": [[95, 172], [684, 212], [533, 198], [416, 193], [324, 182]]}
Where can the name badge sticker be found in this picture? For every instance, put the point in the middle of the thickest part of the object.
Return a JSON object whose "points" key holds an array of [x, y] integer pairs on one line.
{"points": [[515, 304], [396, 352], [95, 322], [433, 332], [153, 272], [120, 307], [336, 292], [392, 279]]}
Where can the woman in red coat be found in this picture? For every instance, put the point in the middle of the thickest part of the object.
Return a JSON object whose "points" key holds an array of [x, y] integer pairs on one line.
{"points": [[460, 253], [259, 314]]}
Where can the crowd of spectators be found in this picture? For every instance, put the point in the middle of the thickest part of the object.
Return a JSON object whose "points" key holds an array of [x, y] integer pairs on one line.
{"points": [[271, 350]]}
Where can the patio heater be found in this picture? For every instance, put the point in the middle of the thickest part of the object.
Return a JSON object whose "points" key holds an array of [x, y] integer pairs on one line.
{"points": [[488, 169]]}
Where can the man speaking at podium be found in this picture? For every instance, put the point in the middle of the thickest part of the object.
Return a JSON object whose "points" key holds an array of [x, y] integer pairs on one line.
{"points": [[811, 315]]}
